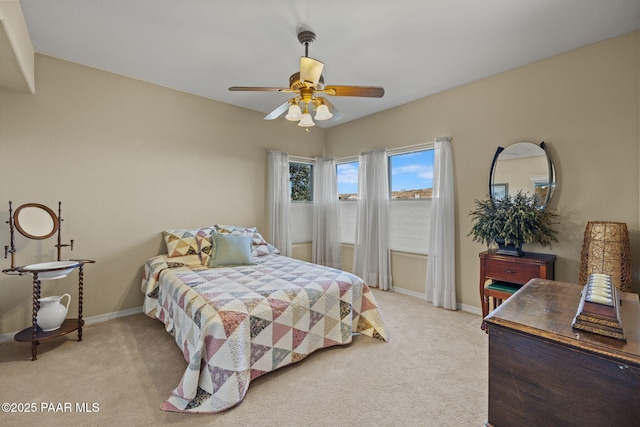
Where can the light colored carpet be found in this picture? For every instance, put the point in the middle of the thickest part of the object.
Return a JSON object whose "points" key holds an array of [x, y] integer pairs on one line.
{"points": [[433, 372]]}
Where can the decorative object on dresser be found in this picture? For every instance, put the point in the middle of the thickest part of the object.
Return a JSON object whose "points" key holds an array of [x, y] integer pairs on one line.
{"points": [[544, 372], [599, 309], [38, 222], [508, 274], [606, 250], [512, 221]]}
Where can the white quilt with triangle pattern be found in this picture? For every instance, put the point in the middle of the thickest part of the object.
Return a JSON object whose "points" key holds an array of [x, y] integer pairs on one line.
{"points": [[234, 324]]}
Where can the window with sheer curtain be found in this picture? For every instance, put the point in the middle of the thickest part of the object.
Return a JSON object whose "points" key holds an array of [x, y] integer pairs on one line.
{"points": [[371, 257], [410, 182], [279, 201], [326, 245], [441, 264], [301, 171]]}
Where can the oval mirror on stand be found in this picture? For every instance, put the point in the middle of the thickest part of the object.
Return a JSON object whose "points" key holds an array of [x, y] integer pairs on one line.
{"points": [[36, 221], [523, 166]]}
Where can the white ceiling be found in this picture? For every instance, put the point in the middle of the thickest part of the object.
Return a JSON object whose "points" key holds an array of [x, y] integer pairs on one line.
{"points": [[413, 48]]}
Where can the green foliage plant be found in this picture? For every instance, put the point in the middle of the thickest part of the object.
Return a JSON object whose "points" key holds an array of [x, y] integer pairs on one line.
{"points": [[517, 219], [301, 177]]}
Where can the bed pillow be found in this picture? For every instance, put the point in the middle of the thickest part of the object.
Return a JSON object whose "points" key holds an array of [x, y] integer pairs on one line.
{"points": [[260, 246], [229, 250], [204, 246], [256, 238], [181, 242]]}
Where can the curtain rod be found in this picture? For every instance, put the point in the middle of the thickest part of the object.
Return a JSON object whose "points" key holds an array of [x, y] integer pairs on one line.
{"points": [[295, 158], [303, 159], [422, 145], [406, 148], [374, 150]]}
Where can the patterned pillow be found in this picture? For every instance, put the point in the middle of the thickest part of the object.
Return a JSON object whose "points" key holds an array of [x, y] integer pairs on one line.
{"points": [[265, 250], [228, 250], [234, 230], [205, 246], [182, 242], [260, 246]]}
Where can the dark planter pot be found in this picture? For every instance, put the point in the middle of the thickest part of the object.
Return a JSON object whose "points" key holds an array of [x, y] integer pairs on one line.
{"points": [[511, 249]]}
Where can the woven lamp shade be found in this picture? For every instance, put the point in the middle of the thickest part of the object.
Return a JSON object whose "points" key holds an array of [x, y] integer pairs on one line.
{"points": [[606, 250]]}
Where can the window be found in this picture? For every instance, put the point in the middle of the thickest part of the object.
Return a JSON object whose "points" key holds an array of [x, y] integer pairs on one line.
{"points": [[301, 190], [347, 174], [301, 181], [347, 177], [410, 183], [411, 175]]}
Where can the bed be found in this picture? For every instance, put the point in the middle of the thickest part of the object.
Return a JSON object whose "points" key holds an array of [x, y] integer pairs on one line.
{"points": [[235, 323]]}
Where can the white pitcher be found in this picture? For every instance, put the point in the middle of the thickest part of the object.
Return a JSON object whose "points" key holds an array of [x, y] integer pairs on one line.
{"points": [[52, 313]]}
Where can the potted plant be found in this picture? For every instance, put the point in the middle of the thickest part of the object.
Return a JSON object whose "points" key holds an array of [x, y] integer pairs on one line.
{"points": [[511, 221]]}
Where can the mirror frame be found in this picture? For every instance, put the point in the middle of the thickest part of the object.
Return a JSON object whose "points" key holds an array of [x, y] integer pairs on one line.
{"points": [[552, 183], [25, 233]]}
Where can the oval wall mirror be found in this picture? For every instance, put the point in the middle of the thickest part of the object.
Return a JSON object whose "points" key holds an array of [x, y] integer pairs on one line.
{"points": [[523, 166], [35, 221]]}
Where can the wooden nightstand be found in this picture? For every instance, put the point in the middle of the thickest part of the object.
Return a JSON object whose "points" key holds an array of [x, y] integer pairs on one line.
{"points": [[509, 273]]}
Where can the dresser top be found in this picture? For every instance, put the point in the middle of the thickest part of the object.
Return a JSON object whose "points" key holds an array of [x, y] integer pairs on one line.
{"points": [[546, 309]]}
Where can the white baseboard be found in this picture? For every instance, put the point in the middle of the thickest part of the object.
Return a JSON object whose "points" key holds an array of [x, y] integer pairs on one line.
{"points": [[408, 292], [470, 309], [91, 320], [464, 307], [110, 316]]}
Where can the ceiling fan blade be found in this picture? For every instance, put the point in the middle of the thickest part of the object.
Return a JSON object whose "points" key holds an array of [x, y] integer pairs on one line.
{"points": [[310, 70], [367, 91], [280, 110], [258, 89]]}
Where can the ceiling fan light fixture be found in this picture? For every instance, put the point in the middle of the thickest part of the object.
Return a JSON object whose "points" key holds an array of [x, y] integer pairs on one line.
{"points": [[306, 84], [323, 113], [306, 120], [294, 113]]}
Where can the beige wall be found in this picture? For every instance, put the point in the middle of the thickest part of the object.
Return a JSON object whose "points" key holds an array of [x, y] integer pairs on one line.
{"points": [[301, 251], [127, 159], [584, 104], [408, 270]]}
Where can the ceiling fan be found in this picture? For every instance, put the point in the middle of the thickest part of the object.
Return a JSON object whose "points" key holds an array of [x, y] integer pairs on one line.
{"points": [[306, 85]]}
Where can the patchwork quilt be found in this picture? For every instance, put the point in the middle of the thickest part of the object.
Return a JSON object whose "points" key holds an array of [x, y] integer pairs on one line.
{"points": [[235, 324]]}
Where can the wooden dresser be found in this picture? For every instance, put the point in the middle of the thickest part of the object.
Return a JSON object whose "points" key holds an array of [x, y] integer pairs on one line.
{"points": [[542, 372], [512, 271]]}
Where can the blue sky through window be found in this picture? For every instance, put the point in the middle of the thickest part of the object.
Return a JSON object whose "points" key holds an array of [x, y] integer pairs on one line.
{"points": [[347, 178], [410, 171]]}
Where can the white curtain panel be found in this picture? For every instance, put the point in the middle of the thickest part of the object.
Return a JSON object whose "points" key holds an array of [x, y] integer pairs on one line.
{"points": [[326, 248], [371, 259], [441, 261], [279, 202]]}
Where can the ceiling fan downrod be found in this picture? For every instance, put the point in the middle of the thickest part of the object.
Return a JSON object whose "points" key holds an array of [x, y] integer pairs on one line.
{"points": [[306, 38]]}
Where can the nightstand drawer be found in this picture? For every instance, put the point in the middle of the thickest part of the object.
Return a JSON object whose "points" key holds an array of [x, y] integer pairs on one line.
{"points": [[511, 272], [516, 270]]}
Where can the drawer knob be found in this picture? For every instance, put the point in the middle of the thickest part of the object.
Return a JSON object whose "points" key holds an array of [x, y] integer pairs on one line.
{"points": [[509, 271]]}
